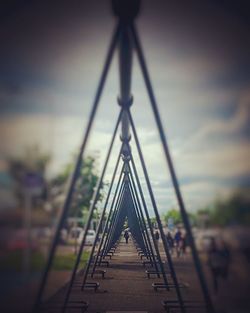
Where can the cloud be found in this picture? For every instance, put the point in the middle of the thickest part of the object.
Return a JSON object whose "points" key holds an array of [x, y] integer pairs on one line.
{"points": [[50, 93], [222, 127]]}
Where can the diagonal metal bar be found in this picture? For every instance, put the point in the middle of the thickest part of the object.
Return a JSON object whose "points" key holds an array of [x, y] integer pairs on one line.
{"points": [[108, 221], [115, 221], [112, 222], [139, 220], [184, 215], [109, 215], [113, 230], [153, 237], [152, 256], [145, 210], [91, 211], [75, 175], [136, 197], [139, 228], [163, 237], [149, 252], [101, 219]]}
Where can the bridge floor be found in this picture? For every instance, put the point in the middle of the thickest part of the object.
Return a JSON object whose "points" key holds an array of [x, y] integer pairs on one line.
{"points": [[125, 287]]}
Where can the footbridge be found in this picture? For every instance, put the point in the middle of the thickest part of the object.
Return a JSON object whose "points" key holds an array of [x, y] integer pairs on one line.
{"points": [[139, 276]]}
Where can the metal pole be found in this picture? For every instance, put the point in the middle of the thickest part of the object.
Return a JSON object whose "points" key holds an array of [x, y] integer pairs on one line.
{"points": [[146, 230], [106, 223], [114, 222], [101, 220], [77, 167], [139, 229], [184, 215], [171, 266], [146, 212], [149, 252], [91, 210], [106, 227], [113, 218]]}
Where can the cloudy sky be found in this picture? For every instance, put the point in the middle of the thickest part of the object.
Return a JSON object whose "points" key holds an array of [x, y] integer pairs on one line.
{"points": [[198, 56]]}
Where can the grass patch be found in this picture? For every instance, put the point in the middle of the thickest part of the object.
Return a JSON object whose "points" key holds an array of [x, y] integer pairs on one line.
{"points": [[67, 262], [13, 261]]}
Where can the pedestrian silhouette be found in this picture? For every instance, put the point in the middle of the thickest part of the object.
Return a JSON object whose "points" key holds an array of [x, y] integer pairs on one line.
{"points": [[126, 236]]}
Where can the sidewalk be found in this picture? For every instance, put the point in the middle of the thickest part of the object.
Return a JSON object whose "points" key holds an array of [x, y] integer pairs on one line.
{"points": [[125, 287]]}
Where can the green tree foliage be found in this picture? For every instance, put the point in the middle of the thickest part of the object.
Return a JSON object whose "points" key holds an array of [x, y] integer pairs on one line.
{"points": [[174, 214], [84, 188], [33, 161], [233, 210]]}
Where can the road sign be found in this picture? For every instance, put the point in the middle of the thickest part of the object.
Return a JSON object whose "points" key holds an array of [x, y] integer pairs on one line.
{"points": [[33, 183], [170, 223]]}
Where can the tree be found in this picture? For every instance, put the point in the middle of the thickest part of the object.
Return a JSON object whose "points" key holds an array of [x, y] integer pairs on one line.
{"points": [[233, 210], [221, 212], [33, 161], [84, 188], [174, 214]]}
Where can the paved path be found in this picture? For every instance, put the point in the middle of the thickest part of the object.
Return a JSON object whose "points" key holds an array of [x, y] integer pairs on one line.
{"points": [[126, 287]]}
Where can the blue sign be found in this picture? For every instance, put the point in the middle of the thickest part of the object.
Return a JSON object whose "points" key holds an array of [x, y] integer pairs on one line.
{"points": [[170, 223]]}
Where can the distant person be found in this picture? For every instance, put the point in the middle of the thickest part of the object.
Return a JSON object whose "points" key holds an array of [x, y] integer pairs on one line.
{"points": [[157, 237], [225, 254], [170, 242], [177, 239], [126, 236], [183, 245], [218, 261]]}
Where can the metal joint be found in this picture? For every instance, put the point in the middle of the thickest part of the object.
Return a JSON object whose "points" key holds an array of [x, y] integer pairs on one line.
{"points": [[125, 104]]}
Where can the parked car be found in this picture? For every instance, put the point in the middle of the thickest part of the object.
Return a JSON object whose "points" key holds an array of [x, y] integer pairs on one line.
{"points": [[75, 232], [63, 236], [90, 238]]}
